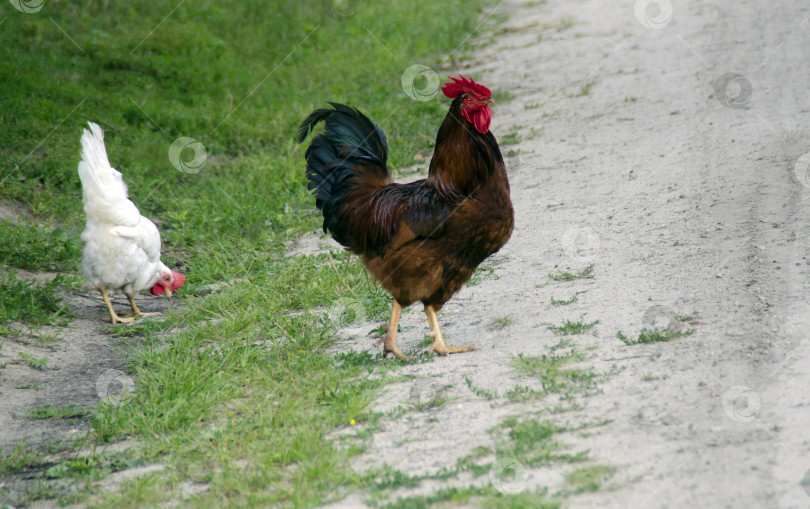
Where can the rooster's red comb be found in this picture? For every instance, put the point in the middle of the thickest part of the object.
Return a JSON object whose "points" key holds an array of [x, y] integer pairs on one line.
{"points": [[463, 85]]}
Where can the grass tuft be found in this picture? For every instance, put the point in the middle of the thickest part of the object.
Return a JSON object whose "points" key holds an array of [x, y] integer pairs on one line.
{"points": [[562, 275], [654, 335]]}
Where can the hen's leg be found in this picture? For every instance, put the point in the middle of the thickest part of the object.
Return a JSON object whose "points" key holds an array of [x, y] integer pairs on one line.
{"points": [[137, 312], [438, 345], [113, 317], [390, 340]]}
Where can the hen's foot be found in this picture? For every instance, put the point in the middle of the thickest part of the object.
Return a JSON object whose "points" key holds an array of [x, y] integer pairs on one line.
{"points": [[114, 318], [137, 312], [119, 319]]}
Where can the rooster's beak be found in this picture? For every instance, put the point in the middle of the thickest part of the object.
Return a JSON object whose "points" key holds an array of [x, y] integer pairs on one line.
{"points": [[489, 102], [169, 293]]}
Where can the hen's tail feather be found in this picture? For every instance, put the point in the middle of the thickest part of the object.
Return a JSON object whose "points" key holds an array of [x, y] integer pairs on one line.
{"points": [[346, 164], [104, 190]]}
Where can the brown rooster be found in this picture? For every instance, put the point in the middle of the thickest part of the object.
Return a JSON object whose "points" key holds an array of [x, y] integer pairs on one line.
{"points": [[422, 240]]}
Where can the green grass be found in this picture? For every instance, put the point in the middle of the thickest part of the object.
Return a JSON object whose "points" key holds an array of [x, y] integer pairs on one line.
{"points": [[52, 412], [37, 386], [38, 248], [654, 335], [31, 361], [482, 393], [556, 302], [236, 391], [569, 328], [482, 273], [589, 478], [20, 458], [562, 275], [550, 370], [31, 302], [500, 322]]}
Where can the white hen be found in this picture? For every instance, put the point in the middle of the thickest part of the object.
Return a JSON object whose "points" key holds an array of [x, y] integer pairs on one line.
{"points": [[120, 247]]}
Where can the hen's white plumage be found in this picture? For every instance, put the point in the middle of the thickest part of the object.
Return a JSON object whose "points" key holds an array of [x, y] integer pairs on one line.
{"points": [[121, 248]]}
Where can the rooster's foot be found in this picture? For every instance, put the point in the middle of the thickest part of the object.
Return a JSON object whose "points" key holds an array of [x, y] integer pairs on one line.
{"points": [[443, 349], [397, 353]]}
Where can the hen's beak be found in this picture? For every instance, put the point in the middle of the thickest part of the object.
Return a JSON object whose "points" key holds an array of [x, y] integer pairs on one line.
{"points": [[168, 292]]}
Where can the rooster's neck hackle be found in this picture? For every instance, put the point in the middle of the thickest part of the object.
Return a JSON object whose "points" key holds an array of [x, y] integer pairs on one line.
{"points": [[464, 158]]}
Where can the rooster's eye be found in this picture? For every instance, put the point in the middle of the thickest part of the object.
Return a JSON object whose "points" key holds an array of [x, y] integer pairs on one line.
{"points": [[468, 100]]}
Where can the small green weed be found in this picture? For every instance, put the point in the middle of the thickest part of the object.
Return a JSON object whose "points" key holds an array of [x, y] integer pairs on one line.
{"points": [[561, 275], [18, 460], [549, 369], [31, 302], [482, 273], [53, 412], [40, 364], [588, 479], [33, 385], [500, 322], [555, 302], [569, 328], [483, 393], [654, 335], [37, 248]]}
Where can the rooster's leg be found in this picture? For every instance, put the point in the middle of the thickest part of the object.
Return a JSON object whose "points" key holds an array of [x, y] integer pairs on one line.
{"points": [[390, 340], [438, 345], [137, 312], [114, 318]]}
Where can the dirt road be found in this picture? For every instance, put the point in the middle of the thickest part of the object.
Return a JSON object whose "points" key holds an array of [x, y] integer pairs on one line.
{"points": [[644, 154]]}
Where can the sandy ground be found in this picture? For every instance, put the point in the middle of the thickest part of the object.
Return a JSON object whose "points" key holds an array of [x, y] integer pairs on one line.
{"points": [[686, 199], [685, 186]]}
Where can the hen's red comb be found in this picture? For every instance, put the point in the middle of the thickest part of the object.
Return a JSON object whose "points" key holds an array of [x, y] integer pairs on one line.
{"points": [[462, 85]]}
